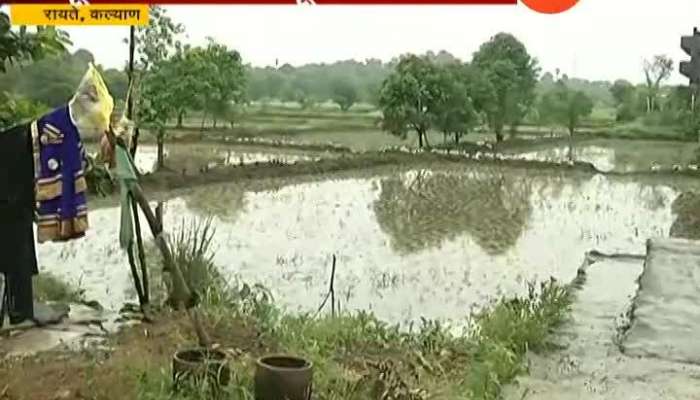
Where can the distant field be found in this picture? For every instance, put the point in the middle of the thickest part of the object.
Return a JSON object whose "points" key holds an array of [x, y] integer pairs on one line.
{"points": [[358, 129]]}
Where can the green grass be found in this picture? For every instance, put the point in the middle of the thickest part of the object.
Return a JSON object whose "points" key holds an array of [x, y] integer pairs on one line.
{"points": [[48, 287], [639, 130], [357, 356]]}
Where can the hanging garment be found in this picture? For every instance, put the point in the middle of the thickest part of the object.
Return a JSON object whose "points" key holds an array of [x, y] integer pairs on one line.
{"points": [[18, 262], [59, 167], [126, 174]]}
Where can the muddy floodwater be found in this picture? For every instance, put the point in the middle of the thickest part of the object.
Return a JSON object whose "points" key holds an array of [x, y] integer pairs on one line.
{"points": [[410, 243]]}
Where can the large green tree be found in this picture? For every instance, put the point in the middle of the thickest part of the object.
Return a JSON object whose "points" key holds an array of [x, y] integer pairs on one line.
{"points": [[155, 102], [224, 79], [512, 73], [344, 93], [567, 107], [622, 91], [454, 111], [410, 96]]}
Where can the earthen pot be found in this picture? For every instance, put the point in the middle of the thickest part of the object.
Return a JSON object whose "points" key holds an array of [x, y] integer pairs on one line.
{"points": [[283, 378]]}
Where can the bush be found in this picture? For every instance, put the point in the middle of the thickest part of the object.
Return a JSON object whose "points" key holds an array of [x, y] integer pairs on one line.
{"points": [[192, 252], [48, 287], [626, 113], [15, 110]]}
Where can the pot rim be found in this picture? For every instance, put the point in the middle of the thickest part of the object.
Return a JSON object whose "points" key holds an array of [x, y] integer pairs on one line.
{"points": [[308, 364], [203, 350]]}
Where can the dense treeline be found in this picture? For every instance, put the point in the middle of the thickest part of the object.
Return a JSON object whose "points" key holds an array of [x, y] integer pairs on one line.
{"points": [[500, 88]]}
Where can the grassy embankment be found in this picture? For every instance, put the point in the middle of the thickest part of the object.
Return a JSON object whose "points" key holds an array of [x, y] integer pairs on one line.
{"points": [[356, 356]]}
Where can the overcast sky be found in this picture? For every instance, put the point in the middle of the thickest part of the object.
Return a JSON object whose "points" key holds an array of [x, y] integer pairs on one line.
{"points": [[598, 39]]}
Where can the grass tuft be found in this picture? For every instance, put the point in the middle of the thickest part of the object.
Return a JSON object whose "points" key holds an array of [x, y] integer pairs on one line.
{"points": [[49, 288]]}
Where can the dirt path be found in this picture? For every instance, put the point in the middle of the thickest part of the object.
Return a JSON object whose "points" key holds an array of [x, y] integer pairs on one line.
{"points": [[591, 365], [109, 371]]}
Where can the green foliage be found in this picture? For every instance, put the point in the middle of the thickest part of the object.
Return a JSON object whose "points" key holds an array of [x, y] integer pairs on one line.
{"points": [[344, 94], [48, 287], [178, 79], [15, 110], [511, 328], [54, 79], [455, 113], [155, 43], [98, 178], [316, 82], [598, 91], [622, 91], [565, 107], [221, 76], [425, 361], [358, 356], [192, 252], [21, 45], [410, 96], [512, 73]]}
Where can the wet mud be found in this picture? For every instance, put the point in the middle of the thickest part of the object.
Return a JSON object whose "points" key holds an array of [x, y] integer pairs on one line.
{"points": [[590, 363]]}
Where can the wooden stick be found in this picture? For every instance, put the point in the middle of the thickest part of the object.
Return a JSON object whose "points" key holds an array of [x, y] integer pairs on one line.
{"points": [[145, 291], [135, 275], [330, 294], [130, 102], [141, 252], [183, 294], [332, 289]]}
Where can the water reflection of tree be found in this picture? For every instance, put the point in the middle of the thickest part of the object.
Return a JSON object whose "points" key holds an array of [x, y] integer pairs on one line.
{"points": [[223, 201], [435, 207]]}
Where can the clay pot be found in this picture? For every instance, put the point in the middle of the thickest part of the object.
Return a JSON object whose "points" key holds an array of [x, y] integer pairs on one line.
{"points": [[198, 364], [283, 378]]}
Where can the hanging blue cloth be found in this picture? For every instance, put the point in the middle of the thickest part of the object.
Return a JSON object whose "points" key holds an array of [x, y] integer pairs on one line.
{"points": [[59, 176]]}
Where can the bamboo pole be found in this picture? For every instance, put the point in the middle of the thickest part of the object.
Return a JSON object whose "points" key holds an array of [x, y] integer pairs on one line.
{"points": [[145, 290], [183, 295]]}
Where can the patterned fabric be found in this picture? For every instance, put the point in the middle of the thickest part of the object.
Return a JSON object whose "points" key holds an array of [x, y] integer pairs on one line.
{"points": [[59, 166]]}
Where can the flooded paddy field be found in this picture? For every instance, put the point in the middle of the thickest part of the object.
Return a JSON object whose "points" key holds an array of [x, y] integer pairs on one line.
{"points": [[192, 157], [410, 243], [610, 155]]}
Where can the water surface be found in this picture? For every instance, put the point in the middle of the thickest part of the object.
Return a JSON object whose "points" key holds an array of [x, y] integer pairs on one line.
{"points": [[432, 243]]}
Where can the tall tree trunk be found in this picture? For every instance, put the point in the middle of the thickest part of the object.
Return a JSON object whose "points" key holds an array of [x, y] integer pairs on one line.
{"points": [[201, 128], [456, 138], [420, 139], [214, 124], [498, 127], [571, 143], [161, 155], [180, 116]]}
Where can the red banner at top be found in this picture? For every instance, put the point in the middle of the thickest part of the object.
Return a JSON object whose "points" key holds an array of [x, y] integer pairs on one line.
{"points": [[281, 2], [542, 6]]}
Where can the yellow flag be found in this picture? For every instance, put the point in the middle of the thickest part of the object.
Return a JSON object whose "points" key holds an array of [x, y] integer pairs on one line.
{"points": [[92, 105]]}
